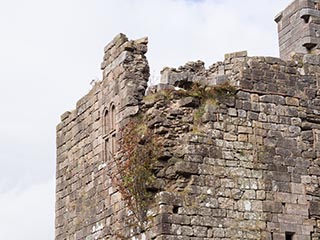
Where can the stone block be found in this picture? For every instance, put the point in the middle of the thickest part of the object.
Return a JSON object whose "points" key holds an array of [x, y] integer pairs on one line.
{"points": [[307, 229], [304, 199], [278, 236], [292, 101], [219, 233], [188, 102], [286, 197], [200, 231], [249, 194], [261, 195], [232, 112], [293, 228], [183, 168], [297, 209], [272, 207], [311, 59], [290, 219], [243, 129], [253, 116], [230, 137], [242, 137], [314, 209], [228, 56], [257, 206], [118, 40], [301, 237], [298, 188]]}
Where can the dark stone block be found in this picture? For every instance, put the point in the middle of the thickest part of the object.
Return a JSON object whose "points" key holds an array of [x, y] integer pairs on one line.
{"points": [[277, 167], [314, 209], [281, 176], [253, 116], [273, 207], [189, 102], [282, 186], [186, 168], [215, 152], [262, 87], [227, 100], [162, 218], [314, 171], [246, 84], [287, 143], [243, 95]]}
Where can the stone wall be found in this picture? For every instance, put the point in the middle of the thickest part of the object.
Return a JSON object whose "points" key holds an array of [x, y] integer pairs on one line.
{"points": [[88, 206], [234, 148], [239, 152], [249, 169]]}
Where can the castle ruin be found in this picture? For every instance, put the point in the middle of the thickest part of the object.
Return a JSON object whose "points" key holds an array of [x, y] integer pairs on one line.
{"points": [[228, 152]]}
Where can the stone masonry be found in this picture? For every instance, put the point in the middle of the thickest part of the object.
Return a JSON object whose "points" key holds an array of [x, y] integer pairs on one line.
{"points": [[242, 162]]}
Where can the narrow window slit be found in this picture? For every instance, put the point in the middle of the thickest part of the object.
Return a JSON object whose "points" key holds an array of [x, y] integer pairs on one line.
{"points": [[289, 235], [309, 46], [175, 209], [306, 18]]}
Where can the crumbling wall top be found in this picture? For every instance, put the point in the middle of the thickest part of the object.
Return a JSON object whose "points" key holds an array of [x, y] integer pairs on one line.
{"points": [[242, 142], [119, 50]]}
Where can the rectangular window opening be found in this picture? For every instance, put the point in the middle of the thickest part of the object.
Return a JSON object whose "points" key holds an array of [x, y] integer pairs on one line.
{"points": [[289, 235], [113, 144], [107, 149]]}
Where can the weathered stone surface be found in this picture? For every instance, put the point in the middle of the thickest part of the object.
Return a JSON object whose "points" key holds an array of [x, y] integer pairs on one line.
{"points": [[238, 162], [188, 102], [315, 209], [295, 26]]}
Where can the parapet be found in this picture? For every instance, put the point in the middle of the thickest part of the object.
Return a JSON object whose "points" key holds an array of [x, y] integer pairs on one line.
{"points": [[255, 74], [195, 72]]}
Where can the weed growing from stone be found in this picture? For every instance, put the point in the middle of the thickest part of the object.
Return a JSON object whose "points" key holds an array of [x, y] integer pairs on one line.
{"points": [[139, 148], [209, 96]]}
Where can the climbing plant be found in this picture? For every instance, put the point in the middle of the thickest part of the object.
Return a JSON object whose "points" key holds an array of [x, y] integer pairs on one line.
{"points": [[139, 148]]}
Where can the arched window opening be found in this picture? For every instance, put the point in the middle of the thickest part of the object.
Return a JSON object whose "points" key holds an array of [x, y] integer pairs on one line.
{"points": [[113, 128], [113, 118], [109, 132], [106, 122]]}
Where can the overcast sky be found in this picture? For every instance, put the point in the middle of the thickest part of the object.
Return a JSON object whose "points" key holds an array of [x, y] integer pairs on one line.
{"points": [[51, 50]]}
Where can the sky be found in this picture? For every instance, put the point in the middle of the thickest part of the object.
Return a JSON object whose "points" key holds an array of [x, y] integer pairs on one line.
{"points": [[51, 50]]}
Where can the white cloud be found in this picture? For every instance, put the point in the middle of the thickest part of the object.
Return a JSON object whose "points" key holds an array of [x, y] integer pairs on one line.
{"points": [[28, 214]]}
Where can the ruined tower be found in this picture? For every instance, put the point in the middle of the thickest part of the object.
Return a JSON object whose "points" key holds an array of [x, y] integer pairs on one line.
{"points": [[299, 28], [228, 152]]}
